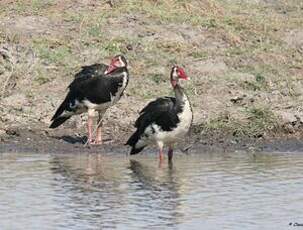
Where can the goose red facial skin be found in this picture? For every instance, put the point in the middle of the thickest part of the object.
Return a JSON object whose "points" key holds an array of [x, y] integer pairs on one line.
{"points": [[112, 66], [182, 74]]}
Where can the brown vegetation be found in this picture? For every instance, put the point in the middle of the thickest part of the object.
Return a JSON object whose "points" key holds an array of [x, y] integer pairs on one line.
{"points": [[244, 58]]}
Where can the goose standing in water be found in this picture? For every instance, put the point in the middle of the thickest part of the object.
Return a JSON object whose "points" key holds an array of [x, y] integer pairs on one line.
{"points": [[165, 120]]}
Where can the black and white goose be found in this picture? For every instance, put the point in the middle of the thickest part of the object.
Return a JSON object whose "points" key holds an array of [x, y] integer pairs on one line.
{"points": [[94, 92], [165, 120]]}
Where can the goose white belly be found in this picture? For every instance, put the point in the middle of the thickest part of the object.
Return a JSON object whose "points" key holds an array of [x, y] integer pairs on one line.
{"points": [[154, 133], [180, 131], [98, 107]]}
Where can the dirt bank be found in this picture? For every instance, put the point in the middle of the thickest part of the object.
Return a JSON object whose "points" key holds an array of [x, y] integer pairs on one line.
{"points": [[37, 140], [245, 61]]}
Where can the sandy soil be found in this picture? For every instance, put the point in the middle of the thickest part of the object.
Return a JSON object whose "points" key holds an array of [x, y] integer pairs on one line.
{"points": [[245, 62], [33, 140]]}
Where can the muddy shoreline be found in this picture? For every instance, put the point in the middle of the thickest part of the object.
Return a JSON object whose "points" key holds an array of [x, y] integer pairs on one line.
{"points": [[35, 140]]}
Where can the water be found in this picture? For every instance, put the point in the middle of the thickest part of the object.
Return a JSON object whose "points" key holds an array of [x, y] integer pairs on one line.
{"points": [[209, 191]]}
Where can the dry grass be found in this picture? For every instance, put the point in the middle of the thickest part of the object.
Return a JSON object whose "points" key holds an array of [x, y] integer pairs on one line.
{"points": [[229, 48]]}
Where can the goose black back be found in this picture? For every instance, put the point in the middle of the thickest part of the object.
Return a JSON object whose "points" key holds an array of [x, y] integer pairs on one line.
{"points": [[88, 72]]}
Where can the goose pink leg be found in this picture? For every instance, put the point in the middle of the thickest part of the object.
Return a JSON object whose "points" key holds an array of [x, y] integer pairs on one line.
{"points": [[160, 145], [98, 140], [90, 129]]}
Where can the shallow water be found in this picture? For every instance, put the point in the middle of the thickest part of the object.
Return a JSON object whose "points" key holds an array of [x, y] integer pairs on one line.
{"points": [[207, 191]]}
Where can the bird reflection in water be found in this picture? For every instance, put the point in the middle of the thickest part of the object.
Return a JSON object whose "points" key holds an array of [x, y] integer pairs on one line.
{"points": [[156, 192], [113, 190], [91, 185]]}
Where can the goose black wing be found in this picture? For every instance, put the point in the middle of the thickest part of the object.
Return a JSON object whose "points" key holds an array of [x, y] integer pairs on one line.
{"points": [[98, 90], [88, 72], [161, 112]]}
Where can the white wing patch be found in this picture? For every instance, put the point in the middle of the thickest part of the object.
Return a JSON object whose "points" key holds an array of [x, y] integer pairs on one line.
{"points": [[116, 98]]}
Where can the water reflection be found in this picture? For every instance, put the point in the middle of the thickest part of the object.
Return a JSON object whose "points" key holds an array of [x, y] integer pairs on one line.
{"points": [[91, 191], [155, 193], [150, 196]]}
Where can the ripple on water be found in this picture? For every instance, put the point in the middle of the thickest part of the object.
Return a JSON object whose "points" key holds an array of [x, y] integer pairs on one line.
{"points": [[225, 191]]}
